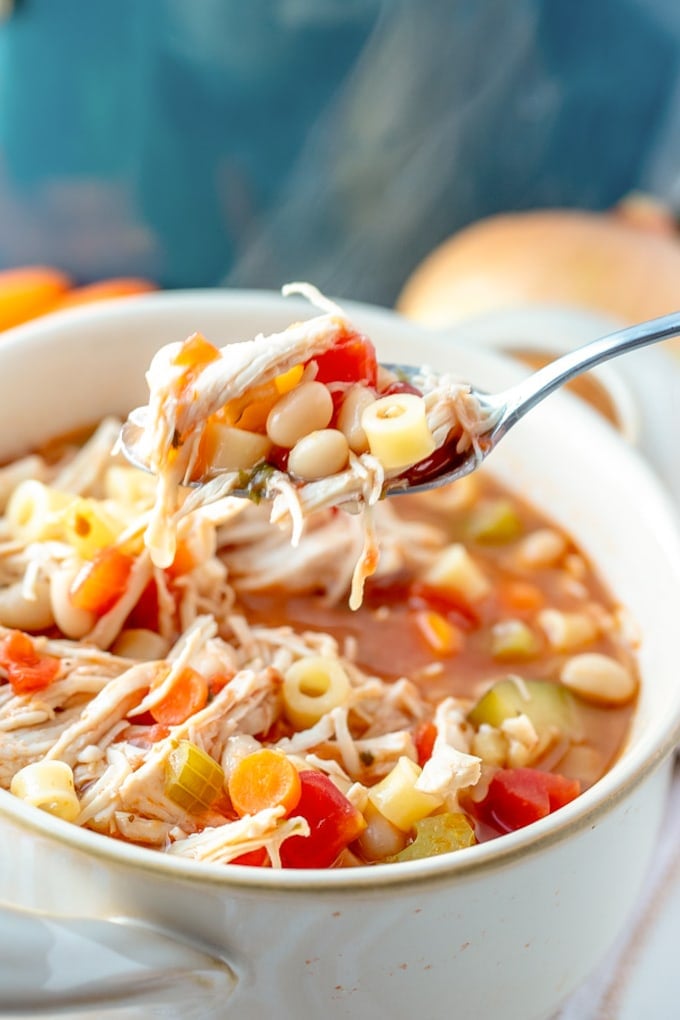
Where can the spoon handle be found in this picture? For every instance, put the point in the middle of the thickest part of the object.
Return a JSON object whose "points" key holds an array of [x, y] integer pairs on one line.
{"points": [[526, 394]]}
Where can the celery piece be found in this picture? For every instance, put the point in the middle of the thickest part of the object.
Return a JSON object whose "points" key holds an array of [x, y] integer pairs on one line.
{"points": [[513, 639], [546, 704], [193, 779], [437, 834], [494, 521]]}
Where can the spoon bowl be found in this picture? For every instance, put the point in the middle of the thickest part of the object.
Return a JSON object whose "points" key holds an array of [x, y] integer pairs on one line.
{"points": [[501, 411], [497, 413]]}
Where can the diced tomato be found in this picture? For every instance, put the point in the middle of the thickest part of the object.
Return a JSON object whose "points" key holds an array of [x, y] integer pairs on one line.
{"points": [[334, 823], [388, 590], [278, 456], [102, 581], [517, 797], [145, 613], [143, 719], [28, 670], [424, 738], [255, 858], [351, 359]]}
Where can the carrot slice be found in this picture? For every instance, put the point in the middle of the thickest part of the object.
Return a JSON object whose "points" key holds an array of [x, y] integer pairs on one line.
{"points": [[188, 695], [29, 291], [264, 779], [521, 596], [120, 286], [102, 581], [424, 738]]}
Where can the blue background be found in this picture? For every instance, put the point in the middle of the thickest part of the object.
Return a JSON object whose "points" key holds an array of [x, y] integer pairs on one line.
{"points": [[204, 142]]}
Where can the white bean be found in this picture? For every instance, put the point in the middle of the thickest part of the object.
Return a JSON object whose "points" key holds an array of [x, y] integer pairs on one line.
{"points": [[21, 613], [599, 678], [305, 409], [74, 623], [140, 643], [380, 838], [567, 631], [543, 547], [318, 455], [491, 745], [349, 417]]}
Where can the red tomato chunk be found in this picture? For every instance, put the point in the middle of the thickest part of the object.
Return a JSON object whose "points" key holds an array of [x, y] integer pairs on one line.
{"points": [[334, 823], [27, 669], [517, 797], [352, 359]]}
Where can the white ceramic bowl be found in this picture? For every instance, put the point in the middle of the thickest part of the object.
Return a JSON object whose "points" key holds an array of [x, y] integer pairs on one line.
{"points": [[506, 928]]}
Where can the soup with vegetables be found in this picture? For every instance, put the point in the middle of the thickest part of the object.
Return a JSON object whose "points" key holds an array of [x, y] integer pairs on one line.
{"points": [[229, 707]]}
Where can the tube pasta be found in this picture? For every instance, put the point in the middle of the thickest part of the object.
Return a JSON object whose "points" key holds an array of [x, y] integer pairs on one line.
{"points": [[397, 431], [11, 475], [312, 687], [35, 511], [129, 487], [49, 786], [88, 527]]}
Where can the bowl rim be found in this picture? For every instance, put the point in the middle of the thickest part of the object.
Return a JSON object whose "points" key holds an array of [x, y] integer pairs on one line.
{"points": [[622, 778]]}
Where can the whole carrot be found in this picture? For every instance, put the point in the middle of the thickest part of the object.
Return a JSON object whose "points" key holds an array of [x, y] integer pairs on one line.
{"points": [[29, 291], [102, 290]]}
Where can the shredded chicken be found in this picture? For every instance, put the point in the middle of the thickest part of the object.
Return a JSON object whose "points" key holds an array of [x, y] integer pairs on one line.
{"points": [[181, 401], [127, 651]]}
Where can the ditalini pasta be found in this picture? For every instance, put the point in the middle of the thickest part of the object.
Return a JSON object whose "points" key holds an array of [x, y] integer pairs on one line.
{"points": [[177, 675]]}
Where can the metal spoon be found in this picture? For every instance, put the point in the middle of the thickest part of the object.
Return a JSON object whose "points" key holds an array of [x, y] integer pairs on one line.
{"points": [[499, 411]]}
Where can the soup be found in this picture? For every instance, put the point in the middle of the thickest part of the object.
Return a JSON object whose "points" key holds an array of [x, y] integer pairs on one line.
{"points": [[229, 707]]}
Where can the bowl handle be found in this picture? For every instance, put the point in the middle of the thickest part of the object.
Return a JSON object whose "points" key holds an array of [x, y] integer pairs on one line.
{"points": [[49, 963]]}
